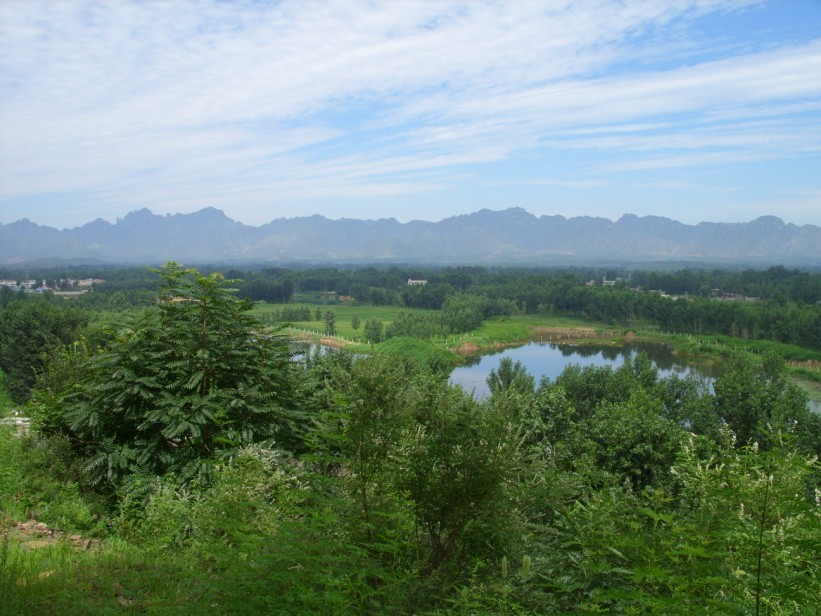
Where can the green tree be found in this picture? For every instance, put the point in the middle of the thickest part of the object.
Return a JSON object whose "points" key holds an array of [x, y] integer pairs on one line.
{"points": [[28, 329], [374, 331], [355, 322], [193, 379], [458, 466], [634, 441], [510, 377], [462, 313], [357, 430], [759, 401], [330, 323]]}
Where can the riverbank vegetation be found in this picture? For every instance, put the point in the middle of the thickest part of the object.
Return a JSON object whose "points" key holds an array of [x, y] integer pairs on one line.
{"points": [[182, 460]]}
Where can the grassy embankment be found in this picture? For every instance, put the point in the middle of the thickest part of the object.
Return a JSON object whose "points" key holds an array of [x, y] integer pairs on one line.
{"points": [[804, 364], [493, 333], [502, 331]]}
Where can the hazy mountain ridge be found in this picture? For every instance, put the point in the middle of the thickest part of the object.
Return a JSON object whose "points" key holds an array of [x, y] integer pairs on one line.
{"points": [[486, 236]]}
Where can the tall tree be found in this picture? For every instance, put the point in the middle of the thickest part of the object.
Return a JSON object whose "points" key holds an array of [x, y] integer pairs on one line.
{"points": [[374, 331], [330, 323], [192, 380]]}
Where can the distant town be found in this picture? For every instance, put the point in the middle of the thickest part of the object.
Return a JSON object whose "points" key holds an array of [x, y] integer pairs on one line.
{"points": [[65, 287]]}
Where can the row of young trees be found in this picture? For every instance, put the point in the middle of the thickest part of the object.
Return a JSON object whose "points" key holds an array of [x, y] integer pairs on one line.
{"points": [[342, 484], [788, 310]]}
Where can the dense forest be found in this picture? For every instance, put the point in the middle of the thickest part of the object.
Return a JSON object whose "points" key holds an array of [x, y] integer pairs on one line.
{"points": [[213, 470]]}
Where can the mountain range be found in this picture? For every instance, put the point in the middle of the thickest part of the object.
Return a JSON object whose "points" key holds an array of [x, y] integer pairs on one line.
{"points": [[511, 236]]}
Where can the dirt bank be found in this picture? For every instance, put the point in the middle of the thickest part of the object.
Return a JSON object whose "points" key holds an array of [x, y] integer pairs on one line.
{"points": [[468, 348]]}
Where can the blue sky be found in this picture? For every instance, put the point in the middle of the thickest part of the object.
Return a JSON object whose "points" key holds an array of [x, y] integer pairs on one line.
{"points": [[705, 110]]}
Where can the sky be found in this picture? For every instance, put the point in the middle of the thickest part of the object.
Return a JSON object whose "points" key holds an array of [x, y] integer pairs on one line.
{"points": [[702, 110]]}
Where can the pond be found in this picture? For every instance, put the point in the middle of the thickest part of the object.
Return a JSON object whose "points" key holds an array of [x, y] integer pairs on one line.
{"points": [[544, 359], [550, 360]]}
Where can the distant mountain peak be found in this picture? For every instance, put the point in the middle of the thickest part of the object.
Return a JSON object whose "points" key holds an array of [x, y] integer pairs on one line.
{"points": [[512, 236], [773, 221], [208, 213]]}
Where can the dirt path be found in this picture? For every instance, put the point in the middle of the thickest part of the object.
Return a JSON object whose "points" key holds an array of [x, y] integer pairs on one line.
{"points": [[36, 535]]}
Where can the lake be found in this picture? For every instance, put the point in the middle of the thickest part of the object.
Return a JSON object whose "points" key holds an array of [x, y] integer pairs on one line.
{"points": [[541, 359]]}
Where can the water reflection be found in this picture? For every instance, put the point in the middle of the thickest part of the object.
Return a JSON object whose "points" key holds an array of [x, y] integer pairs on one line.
{"points": [[549, 360], [300, 349]]}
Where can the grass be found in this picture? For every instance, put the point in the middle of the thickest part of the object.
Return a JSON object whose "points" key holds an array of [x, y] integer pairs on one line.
{"points": [[516, 329], [493, 331], [10, 474], [115, 578], [343, 313], [519, 328], [6, 405], [418, 351]]}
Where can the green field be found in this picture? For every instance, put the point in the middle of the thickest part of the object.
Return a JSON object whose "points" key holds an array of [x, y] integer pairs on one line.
{"points": [[343, 313], [511, 330], [492, 333]]}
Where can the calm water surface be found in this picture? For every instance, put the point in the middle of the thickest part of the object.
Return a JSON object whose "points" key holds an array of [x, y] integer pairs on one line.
{"points": [[541, 359], [551, 359]]}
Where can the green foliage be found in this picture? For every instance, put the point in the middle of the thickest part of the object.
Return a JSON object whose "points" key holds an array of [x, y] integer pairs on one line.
{"points": [[510, 377], [50, 488], [330, 323], [243, 482], [64, 367], [694, 548], [462, 313], [246, 495], [10, 478], [5, 399], [115, 578], [194, 379], [27, 330], [292, 313], [416, 325], [456, 465], [758, 402], [374, 331], [419, 354], [634, 441]]}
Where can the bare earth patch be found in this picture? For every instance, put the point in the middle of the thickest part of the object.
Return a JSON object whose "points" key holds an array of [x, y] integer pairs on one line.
{"points": [[567, 333], [467, 348], [332, 342], [36, 535]]}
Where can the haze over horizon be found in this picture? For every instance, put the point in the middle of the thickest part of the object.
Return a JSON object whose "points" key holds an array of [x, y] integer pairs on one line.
{"points": [[694, 111], [614, 219]]}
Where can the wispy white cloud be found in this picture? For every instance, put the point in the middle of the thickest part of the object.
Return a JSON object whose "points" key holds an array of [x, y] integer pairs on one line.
{"points": [[184, 104]]}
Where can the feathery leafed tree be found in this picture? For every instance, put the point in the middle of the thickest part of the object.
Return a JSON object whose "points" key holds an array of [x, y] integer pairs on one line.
{"points": [[193, 379]]}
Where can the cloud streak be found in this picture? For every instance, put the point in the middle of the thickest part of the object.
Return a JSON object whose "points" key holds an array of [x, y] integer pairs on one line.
{"points": [[262, 107]]}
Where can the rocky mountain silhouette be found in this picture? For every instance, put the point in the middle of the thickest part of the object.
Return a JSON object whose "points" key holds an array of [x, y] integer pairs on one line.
{"points": [[509, 236]]}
